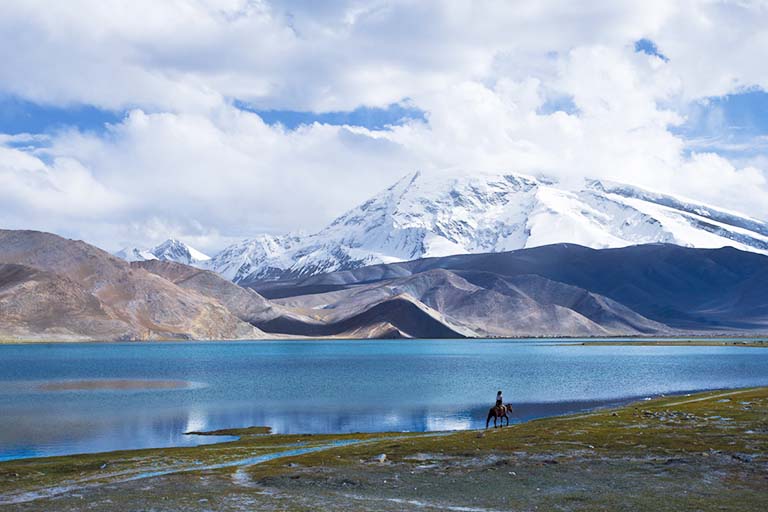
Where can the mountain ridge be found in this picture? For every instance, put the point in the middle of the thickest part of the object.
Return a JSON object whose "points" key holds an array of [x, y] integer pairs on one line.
{"points": [[652, 288], [52, 288], [95, 286], [439, 214]]}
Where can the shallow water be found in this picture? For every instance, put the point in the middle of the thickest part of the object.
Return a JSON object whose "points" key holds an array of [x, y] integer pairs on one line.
{"points": [[327, 386]]}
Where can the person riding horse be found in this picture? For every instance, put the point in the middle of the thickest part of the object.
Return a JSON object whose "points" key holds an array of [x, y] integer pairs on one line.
{"points": [[499, 411]]}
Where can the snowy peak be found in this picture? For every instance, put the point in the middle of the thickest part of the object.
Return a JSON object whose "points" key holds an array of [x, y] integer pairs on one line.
{"points": [[135, 254], [175, 250], [441, 213], [244, 258], [436, 214], [170, 250]]}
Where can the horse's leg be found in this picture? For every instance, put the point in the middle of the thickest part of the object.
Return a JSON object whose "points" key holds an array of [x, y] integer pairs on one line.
{"points": [[507, 418]]}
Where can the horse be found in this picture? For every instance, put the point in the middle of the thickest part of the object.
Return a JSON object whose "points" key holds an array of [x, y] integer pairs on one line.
{"points": [[498, 411]]}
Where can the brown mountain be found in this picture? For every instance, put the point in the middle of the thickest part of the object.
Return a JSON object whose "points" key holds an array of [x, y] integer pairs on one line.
{"points": [[503, 307], [35, 304], [100, 297], [386, 317]]}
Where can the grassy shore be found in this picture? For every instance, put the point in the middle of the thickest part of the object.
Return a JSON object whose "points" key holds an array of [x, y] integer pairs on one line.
{"points": [[702, 452], [674, 342]]}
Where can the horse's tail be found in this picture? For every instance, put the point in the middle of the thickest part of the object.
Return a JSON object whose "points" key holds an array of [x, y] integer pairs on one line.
{"points": [[488, 419]]}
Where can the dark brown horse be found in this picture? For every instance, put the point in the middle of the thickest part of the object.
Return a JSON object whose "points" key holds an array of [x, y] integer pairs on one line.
{"points": [[501, 412]]}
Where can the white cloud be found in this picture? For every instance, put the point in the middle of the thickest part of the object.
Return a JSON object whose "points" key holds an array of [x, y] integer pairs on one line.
{"points": [[64, 185], [184, 162], [212, 177], [188, 54]]}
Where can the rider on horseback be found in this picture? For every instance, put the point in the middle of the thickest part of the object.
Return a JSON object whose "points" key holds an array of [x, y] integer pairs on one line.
{"points": [[499, 411]]}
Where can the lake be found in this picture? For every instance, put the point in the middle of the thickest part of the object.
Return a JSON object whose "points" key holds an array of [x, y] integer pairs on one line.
{"points": [[74, 398]]}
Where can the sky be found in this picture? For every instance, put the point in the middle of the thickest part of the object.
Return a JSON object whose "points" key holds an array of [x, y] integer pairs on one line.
{"points": [[126, 122]]}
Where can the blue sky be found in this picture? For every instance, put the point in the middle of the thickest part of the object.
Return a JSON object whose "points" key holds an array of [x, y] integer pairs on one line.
{"points": [[723, 124], [731, 125], [649, 47], [23, 116], [373, 118]]}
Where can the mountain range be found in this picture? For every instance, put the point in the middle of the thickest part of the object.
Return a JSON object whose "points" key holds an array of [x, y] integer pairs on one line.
{"points": [[55, 289], [436, 255], [557, 290], [442, 213]]}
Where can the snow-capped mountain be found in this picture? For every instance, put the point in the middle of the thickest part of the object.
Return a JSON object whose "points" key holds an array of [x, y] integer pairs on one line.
{"points": [[135, 254], [170, 250], [240, 260], [440, 213], [175, 250]]}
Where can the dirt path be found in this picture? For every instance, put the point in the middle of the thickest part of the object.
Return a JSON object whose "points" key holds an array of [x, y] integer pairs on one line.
{"points": [[701, 399]]}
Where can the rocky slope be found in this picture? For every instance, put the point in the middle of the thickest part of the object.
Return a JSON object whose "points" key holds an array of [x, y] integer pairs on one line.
{"points": [[66, 289], [244, 303], [42, 305], [558, 290], [392, 317]]}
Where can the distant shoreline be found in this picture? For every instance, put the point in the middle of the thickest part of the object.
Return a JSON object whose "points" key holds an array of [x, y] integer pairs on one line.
{"points": [[724, 342], [686, 341]]}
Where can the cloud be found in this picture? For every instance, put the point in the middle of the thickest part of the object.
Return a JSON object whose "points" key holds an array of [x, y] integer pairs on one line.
{"points": [[296, 55], [214, 177], [490, 78], [58, 195], [620, 131]]}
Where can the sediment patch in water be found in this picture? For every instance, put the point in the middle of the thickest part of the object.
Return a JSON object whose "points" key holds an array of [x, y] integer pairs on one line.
{"points": [[114, 385]]}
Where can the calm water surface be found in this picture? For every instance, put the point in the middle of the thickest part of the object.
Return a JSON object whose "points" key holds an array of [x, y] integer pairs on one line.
{"points": [[338, 386]]}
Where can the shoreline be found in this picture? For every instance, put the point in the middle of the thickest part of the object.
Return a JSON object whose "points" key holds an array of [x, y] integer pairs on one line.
{"points": [[713, 445], [674, 342], [595, 406], [756, 341]]}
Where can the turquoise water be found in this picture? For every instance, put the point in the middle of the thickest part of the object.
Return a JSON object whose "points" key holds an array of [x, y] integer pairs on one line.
{"points": [[336, 386]]}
